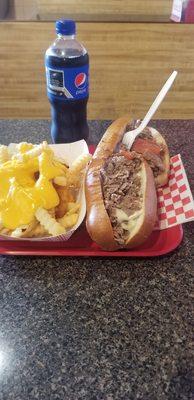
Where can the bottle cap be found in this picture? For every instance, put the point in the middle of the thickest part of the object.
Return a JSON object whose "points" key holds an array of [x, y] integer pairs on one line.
{"points": [[65, 27]]}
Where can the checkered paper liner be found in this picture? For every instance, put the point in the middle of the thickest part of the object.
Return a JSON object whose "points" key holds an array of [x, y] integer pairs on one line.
{"points": [[175, 200]]}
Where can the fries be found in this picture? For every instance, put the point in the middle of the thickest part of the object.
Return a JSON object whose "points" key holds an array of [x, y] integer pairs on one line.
{"points": [[38, 191], [49, 223], [33, 152], [4, 154], [80, 163], [60, 181], [77, 168], [5, 232], [24, 230], [73, 208], [68, 220], [65, 196], [38, 232], [71, 217]]}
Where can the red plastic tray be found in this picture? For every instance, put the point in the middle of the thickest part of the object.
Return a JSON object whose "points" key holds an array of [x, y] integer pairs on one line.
{"points": [[80, 244]]}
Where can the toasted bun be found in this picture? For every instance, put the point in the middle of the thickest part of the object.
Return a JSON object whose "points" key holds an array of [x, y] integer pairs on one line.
{"points": [[97, 222], [146, 222], [162, 178]]}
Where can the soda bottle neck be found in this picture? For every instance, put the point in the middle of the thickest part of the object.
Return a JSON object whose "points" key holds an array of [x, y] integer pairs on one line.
{"points": [[65, 37]]}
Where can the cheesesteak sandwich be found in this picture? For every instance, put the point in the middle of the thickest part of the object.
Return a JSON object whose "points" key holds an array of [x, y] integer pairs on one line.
{"points": [[120, 193]]}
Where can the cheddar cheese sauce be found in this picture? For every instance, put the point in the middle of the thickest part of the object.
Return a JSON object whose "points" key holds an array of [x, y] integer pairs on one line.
{"points": [[26, 184]]}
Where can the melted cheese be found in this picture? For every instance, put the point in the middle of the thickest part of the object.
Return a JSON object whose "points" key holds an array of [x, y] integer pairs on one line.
{"points": [[127, 222], [21, 193]]}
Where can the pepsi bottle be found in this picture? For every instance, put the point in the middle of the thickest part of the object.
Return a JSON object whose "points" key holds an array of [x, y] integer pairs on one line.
{"points": [[67, 69]]}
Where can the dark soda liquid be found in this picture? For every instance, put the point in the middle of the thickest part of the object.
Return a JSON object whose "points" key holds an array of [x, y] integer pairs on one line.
{"points": [[69, 118]]}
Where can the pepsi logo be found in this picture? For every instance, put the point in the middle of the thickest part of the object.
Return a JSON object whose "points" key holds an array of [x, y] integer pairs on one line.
{"points": [[80, 80]]}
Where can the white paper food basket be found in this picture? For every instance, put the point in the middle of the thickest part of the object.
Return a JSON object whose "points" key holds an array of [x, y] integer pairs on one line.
{"points": [[69, 152]]}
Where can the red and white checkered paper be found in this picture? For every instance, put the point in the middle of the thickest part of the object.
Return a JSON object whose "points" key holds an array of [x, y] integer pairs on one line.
{"points": [[175, 200]]}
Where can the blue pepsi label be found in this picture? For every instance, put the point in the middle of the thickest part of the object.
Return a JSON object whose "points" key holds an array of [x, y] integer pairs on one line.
{"points": [[68, 83]]}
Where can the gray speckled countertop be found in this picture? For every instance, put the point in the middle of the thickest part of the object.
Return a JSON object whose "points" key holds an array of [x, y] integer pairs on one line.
{"points": [[92, 329]]}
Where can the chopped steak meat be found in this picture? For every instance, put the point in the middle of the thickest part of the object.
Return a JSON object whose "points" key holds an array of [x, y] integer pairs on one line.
{"points": [[121, 188], [155, 162], [146, 134], [132, 125]]}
